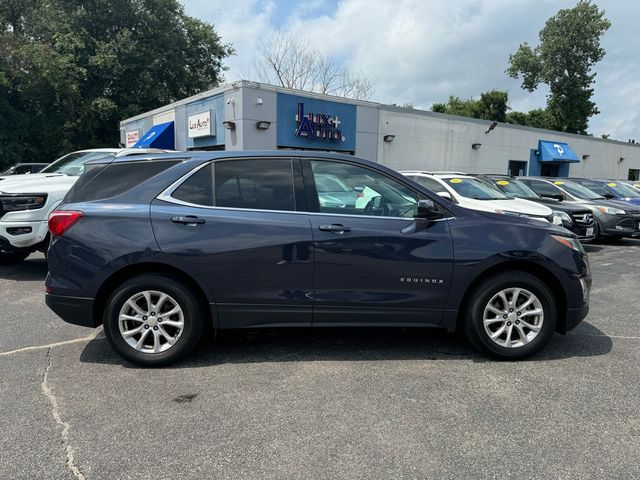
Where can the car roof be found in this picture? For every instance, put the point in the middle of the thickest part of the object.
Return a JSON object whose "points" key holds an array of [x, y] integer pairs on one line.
{"points": [[242, 154]]}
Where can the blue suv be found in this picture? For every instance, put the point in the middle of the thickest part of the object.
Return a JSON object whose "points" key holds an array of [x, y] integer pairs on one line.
{"points": [[158, 247]]}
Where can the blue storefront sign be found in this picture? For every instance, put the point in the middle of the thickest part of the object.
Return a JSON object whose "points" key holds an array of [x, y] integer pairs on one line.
{"points": [[312, 123]]}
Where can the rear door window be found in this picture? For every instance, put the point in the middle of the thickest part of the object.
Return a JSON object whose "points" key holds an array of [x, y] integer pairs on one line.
{"points": [[265, 184], [256, 184]]}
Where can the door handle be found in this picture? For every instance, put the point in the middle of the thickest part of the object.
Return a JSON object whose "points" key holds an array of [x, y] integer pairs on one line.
{"points": [[334, 228], [190, 220]]}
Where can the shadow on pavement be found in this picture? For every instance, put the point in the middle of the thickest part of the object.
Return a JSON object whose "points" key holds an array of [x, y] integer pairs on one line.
{"points": [[350, 344], [32, 269]]}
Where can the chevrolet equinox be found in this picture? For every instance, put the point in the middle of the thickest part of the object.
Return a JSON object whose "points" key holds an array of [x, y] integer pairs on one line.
{"points": [[158, 247]]}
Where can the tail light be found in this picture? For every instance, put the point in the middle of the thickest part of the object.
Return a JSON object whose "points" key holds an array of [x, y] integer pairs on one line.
{"points": [[62, 220]]}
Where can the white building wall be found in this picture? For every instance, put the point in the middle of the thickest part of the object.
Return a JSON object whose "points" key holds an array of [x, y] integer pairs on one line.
{"points": [[429, 141]]}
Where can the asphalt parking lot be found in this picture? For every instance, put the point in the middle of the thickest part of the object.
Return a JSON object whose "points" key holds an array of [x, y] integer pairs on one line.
{"points": [[325, 404]]}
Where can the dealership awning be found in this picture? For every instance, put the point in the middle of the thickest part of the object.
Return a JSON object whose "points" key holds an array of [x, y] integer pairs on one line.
{"points": [[158, 136], [549, 151]]}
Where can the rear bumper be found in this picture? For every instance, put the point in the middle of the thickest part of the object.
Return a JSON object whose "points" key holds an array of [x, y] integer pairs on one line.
{"points": [[75, 310]]}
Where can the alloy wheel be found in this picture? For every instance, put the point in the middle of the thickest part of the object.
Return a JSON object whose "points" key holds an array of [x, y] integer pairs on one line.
{"points": [[151, 321], [513, 317]]}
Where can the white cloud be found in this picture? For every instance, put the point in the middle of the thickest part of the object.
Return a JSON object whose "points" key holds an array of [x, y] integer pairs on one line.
{"points": [[423, 51]]}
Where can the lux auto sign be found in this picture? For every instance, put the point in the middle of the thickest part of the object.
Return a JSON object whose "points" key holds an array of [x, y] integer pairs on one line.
{"points": [[318, 125]]}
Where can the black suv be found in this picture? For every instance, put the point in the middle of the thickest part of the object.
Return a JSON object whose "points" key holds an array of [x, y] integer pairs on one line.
{"points": [[157, 247]]}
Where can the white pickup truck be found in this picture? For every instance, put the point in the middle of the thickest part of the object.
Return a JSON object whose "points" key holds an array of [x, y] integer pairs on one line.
{"points": [[27, 200]]}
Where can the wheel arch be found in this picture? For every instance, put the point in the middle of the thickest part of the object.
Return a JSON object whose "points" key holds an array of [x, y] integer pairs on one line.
{"points": [[557, 290], [129, 271]]}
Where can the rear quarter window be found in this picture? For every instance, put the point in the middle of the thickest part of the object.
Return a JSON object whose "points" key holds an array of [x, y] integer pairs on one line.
{"points": [[101, 181]]}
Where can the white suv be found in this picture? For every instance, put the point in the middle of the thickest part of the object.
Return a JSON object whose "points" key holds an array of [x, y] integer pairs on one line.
{"points": [[26, 200], [470, 192]]}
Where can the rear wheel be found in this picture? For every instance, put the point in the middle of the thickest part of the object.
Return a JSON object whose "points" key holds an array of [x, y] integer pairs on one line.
{"points": [[11, 258], [511, 315], [153, 320]]}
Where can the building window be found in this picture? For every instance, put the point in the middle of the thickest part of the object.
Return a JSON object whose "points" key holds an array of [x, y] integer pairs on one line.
{"points": [[634, 174], [517, 169]]}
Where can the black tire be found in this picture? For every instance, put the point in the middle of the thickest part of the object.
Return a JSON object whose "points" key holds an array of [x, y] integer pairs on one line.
{"points": [[183, 296], [11, 258], [481, 295]]}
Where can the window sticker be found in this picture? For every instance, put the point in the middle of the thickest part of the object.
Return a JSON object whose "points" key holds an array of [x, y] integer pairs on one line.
{"points": [[612, 184], [455, 180], [558, 183], [502, 182]]}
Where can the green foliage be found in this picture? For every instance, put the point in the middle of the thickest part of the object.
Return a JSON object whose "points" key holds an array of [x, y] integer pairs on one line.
{"points": [[70, 70], [492, 105], [538, 118], [569, 47]]}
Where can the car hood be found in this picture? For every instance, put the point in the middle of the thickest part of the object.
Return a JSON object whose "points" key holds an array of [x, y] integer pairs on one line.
{"points": [[516, 205], [27, 177], [607, 203], [41, 184]]}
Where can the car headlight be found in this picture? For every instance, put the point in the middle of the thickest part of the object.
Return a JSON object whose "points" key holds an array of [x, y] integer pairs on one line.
{"points": [[572, 243], [611, 210], [15, 203], [514, 214], [564, 216]]}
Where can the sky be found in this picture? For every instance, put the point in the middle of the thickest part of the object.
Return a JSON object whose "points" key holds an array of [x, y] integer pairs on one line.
{"points": [[422, 51]]}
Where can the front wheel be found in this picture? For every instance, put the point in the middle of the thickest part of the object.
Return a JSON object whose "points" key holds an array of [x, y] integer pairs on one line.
{"points": [[11, 258], [153, 320], [511, 315]]}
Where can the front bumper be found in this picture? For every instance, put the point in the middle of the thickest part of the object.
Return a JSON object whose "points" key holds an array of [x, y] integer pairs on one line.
{"points": [[36, 233], [574, 317], [620, 225], [75, 310]]}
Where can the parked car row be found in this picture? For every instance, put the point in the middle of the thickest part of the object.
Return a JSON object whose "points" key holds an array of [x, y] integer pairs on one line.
{"points": [[589, 208], [156, 246]]}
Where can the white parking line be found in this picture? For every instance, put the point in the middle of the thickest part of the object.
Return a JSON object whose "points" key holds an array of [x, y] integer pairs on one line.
{"points": [[607, 336], [50, 345]]}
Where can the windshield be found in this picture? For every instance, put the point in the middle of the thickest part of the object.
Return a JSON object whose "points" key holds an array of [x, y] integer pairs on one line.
{"points": [[474, 188], [623, 190], [577, 190], [515, 188], [72, 164], [329, 183]]}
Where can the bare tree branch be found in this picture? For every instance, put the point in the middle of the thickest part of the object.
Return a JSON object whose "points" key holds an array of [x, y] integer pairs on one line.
{"points": [[286, 61]]}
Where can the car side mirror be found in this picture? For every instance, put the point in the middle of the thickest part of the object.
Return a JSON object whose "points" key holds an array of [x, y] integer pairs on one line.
{"points": [[428, 210], [609, 196], [445, 195], [555, 196]]}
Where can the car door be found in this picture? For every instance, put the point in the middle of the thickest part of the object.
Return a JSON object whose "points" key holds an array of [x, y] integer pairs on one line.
{"points": [[241, 225], [374, 262]]}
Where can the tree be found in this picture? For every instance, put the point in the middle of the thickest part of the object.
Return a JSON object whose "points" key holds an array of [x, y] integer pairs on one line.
{"points": [[491, 105], [70, 71], [538, 118], [290, 62], [569, 47]]}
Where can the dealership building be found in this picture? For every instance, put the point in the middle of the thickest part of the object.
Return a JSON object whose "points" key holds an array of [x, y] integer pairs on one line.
{"points": [[246, 115]]}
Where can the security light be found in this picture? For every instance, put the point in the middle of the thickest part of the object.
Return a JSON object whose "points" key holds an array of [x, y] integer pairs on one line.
{"points": [[229, 125], [476, 146], [263, 125], [491, 127], [389, 138]]}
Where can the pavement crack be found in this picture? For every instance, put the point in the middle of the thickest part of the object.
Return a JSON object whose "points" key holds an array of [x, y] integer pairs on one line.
{"points": [[66, 427]]}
